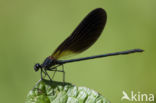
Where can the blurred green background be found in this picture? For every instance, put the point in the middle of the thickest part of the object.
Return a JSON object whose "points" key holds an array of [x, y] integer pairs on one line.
{"points": [[30, 30]]}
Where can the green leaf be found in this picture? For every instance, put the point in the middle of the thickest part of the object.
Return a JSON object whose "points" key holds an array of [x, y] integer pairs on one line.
{"points": [[58, 92]]}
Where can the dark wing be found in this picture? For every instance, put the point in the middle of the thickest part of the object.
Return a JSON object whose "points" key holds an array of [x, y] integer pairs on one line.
{"points": [[85, 35]]}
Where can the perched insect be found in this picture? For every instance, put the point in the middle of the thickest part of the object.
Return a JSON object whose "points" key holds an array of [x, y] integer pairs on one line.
{"points": [[85, 35]]}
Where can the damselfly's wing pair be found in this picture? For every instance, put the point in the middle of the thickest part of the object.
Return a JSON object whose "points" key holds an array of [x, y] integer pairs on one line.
{"points": [[85, 35]]}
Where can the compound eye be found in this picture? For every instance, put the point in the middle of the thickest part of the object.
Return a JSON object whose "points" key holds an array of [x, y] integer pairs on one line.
{"points": [[37, 67]]}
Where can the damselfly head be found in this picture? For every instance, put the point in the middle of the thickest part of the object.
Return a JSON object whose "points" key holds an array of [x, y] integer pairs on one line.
{"points": [[37, 67]]}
